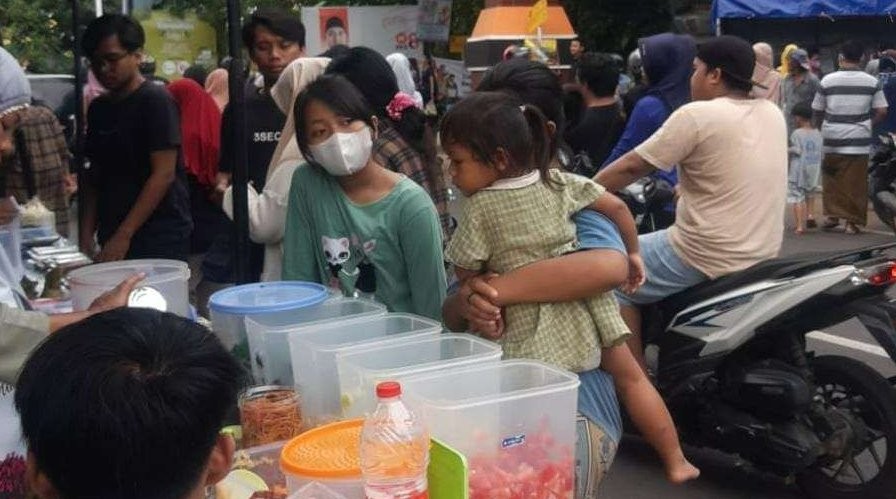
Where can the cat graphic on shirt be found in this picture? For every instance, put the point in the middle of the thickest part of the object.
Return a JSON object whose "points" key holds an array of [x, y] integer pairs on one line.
{"points": [[349, 265]]}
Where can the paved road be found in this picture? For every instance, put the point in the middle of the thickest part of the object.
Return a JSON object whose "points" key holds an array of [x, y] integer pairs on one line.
{"points": [[636, 474]]}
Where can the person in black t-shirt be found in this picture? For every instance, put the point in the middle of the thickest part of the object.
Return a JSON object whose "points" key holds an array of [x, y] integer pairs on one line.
{"points": [[136, 200], [274, 39], [602, 121]]}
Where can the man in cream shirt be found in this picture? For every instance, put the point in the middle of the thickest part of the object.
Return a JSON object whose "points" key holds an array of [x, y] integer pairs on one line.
{"points": [[731, 151]]}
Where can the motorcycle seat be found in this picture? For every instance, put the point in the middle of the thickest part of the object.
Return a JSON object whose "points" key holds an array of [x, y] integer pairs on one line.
{"points": [[777, 268]]}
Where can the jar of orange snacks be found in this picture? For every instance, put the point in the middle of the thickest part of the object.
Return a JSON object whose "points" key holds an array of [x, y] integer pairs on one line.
{"points": [[269, 414]]}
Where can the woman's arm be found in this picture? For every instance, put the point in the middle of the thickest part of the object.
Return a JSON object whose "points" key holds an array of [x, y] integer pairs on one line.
{"points": [[267, 211], [575, 276]]}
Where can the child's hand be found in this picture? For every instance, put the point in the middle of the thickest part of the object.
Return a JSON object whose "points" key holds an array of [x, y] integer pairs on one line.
{"points": [[493, 330], [637, 274]]}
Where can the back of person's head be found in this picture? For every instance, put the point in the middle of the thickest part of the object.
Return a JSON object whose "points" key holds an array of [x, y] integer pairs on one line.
{"points": [[733, 57], [197, 73], [852, 51], [278, 21], [802, 110], [764, 54], [495, 126], [336, 51], [128, 403], [369, 71], [533, 83], [599, 72], [129, 32], [338, 94]]}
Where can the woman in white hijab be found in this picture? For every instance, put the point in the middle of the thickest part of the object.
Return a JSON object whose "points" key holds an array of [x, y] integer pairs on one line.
{"points": [[267, 210], [401, 66]]}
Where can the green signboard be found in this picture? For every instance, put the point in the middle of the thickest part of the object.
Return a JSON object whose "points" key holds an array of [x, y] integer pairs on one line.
{"points": [[176, 43]]}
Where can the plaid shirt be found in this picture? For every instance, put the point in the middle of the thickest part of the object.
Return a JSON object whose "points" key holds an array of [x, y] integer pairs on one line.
{"points": [[393, 152], [507, 228], [45, 144]]}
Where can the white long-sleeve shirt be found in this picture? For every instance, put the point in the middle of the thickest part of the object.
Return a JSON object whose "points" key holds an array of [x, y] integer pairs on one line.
{"points": [[267, 216]]}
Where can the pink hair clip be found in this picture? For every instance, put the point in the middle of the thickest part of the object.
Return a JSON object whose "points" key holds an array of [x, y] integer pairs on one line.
{"points": [[398, 105]]}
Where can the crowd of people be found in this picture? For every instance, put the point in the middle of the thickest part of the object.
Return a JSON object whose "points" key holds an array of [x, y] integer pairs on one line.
{"points": [[348, 189]]}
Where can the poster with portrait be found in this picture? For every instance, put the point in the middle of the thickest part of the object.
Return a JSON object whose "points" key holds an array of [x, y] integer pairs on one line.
{"points": [[386, 29], [333, 24]]}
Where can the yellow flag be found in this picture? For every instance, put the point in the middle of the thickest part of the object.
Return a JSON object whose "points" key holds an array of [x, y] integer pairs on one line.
{"points": [[538, 15]]}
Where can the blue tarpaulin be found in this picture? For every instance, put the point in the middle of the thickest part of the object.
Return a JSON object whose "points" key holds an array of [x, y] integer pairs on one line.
{"points": [[800, 9]]}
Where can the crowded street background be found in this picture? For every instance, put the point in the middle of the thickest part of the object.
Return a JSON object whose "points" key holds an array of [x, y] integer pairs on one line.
{"points": [[692, 219]]}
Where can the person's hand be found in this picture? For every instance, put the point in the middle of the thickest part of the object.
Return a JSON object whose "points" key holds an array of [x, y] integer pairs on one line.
{"points": [[637, 274], [117, 297], [115, 249], [479, 308], [8, 210], [69, 184]]}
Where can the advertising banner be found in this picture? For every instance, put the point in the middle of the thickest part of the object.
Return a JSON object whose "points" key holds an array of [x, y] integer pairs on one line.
{"points": [[435, 20], [176, 43], [385, 29]]}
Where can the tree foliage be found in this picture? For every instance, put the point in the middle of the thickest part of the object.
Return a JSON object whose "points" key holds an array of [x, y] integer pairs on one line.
{"points": [[39, 32]]}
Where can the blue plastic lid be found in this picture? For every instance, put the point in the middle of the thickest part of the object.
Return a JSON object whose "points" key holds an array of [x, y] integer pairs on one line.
{"points": [[267, 297]]}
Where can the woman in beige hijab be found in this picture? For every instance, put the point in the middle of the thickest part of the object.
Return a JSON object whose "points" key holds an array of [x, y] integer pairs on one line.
{"points": [[216, 86], [267, 210], [765, 74]]}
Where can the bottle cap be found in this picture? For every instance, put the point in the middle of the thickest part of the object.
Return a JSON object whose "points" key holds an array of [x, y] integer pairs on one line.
{"points": [[388, 389]]}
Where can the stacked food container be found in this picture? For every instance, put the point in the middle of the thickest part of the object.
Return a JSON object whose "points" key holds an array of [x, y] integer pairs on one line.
{"points": [[314, 350], [514, 421], [268, 333]]}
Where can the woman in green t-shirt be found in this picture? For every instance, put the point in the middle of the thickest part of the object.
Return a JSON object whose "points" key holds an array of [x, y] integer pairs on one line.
{"points": [[351, 223]]}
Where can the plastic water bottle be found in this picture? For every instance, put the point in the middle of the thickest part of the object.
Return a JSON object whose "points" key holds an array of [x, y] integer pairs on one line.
{"points": [[394, 449]]}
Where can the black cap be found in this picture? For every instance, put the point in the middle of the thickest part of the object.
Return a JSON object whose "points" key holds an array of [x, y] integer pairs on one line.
{"points": [[731, 54]]}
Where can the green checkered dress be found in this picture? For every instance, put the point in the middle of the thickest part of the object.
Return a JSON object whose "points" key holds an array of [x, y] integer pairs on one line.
{"points": [[505, 228]]}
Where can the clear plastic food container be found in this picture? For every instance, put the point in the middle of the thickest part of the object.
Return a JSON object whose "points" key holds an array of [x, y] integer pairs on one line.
{"points": [[268, 333], [167, 277], [313, 350], [361, 369], [514, 421], [229, 307]]}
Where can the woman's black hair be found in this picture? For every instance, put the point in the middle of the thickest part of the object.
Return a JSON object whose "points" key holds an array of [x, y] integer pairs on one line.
{"points": [[487, 121], [535, 84], [338, 94], [369, 71]]}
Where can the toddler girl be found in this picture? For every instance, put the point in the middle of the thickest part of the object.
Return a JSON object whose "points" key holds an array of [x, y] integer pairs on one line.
{"points": [[518, 212]]}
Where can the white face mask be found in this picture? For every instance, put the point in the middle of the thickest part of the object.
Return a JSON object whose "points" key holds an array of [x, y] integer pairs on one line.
{"points": [[344, 153]]}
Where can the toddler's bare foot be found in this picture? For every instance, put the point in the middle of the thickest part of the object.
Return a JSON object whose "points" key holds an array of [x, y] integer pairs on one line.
{"points": [[681, 471]]}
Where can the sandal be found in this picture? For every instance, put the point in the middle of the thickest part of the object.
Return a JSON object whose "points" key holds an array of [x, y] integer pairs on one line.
{"points": [[811, 224], [830, 224], [852, 229]]}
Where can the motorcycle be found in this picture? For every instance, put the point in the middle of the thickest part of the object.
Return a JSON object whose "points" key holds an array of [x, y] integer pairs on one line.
{"points": [[734, 369], [882, 181], [647, 198]]}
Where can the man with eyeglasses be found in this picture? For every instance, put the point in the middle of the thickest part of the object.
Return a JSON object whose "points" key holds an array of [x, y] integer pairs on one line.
{"points": [[136, 200]]}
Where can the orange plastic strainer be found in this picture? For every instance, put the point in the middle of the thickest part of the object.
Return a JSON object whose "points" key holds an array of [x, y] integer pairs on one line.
{"points": [[331, 451]]}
